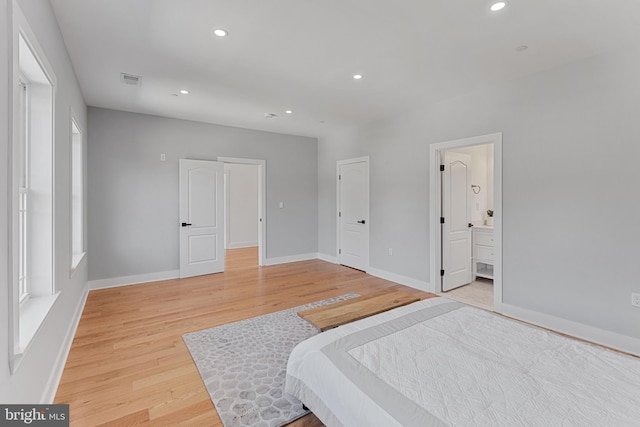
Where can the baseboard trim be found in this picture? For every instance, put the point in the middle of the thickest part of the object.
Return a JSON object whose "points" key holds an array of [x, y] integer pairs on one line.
{"points": [[328, 258], [579, 330], [398, 278], [290, 258], [51, 388], [133, 280]]}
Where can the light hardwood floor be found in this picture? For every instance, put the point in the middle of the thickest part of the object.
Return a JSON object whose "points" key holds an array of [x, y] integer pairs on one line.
{"points": [[128, 364]]}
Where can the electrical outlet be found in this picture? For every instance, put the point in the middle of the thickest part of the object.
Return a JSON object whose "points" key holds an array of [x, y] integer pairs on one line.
{"points": [[635, 300], [163, 157], [390, 251]]}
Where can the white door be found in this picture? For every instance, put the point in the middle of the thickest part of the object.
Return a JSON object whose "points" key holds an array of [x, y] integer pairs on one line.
{"points": [[202, 217], [353, 213], [456, 209]]}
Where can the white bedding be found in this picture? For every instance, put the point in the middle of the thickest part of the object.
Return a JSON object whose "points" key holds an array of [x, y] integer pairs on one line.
{"points": [[436, 362]]}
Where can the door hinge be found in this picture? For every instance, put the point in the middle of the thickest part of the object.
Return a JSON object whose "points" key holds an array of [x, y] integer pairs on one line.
{"points": [[441, 272], [339, 251], [441, 168], [441, 220], [340, 214], [339, 177]]}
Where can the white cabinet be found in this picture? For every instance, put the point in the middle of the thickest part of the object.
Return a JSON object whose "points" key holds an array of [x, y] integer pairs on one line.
{"points": [[482, 252]]}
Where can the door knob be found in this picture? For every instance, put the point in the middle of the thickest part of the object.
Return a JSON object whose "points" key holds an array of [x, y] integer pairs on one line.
{"points": [[184, 224], [360, 222]]}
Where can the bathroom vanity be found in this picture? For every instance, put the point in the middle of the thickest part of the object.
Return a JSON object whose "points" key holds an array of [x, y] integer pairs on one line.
{"points": [[482, 254]]}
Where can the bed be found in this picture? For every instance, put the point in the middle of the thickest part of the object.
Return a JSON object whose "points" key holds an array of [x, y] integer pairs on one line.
{"points": [[441, 363]]}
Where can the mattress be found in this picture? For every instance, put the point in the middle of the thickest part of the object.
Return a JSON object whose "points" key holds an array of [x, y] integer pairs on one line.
{"points": [[442, 363]]}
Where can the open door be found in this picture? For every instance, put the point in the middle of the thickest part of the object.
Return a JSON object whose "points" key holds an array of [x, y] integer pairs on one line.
{"points": [[201, 217], [456, 231]]}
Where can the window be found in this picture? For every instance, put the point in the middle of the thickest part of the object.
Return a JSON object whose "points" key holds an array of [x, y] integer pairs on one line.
{"points": [[35, 175], [33, 291], [77, 195], [23, 190]]}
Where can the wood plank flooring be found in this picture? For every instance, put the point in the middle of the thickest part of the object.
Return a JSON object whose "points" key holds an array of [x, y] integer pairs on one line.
{"points": [[128, 364]]}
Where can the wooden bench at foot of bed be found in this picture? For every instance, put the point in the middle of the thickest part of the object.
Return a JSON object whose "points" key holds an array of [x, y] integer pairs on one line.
{"points": [[340, 313]]}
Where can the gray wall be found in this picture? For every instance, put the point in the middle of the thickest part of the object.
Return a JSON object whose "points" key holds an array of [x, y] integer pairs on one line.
{"points": [[133, 196], [570, 197], [38, 366]]}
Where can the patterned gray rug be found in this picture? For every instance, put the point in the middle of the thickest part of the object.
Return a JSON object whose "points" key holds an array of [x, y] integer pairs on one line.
{"points": [[243, 365]]}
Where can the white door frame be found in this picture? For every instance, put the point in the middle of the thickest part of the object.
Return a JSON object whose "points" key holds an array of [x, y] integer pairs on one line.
{"points": [[435, 260], [339, 163], [262, 201]]}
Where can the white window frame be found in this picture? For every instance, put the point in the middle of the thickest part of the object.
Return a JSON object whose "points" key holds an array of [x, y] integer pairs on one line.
{"points": [[28, 314], [23, 191], [76, 192]]}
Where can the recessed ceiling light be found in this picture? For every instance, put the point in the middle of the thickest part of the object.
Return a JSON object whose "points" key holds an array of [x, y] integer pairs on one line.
{"points": [[184, 92], [289, 112], [499, 5], [220, 32], [357, 76]]}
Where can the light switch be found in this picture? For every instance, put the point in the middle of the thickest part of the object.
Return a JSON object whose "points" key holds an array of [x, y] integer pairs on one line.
{"points": [[281, 205]]}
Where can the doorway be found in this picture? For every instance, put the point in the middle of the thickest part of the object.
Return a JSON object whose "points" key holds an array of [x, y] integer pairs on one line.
{"points": [[245, 216], [465, 220]]}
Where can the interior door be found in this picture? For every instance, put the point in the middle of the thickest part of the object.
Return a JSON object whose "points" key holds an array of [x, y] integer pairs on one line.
{"points": [[353, 213], [201, 217], [456, 211]]}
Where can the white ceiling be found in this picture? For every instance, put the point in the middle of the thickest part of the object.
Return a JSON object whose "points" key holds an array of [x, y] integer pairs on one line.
{"points": [[301, 54]]}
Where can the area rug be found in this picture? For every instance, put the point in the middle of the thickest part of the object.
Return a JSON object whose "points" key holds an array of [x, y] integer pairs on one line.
{"points": [[243, 365]]}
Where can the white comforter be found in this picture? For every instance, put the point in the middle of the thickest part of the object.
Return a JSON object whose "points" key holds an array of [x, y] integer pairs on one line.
{"points": [[460, 367]]}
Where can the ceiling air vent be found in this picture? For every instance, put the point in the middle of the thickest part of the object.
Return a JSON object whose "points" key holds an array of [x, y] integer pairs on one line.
{"points": [[270, 115], [130, 79]]}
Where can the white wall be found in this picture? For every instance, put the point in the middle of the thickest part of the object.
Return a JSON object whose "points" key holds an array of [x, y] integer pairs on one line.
{"points": [[133, 196], [570, 176], [37, 374], [241, 205]]}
